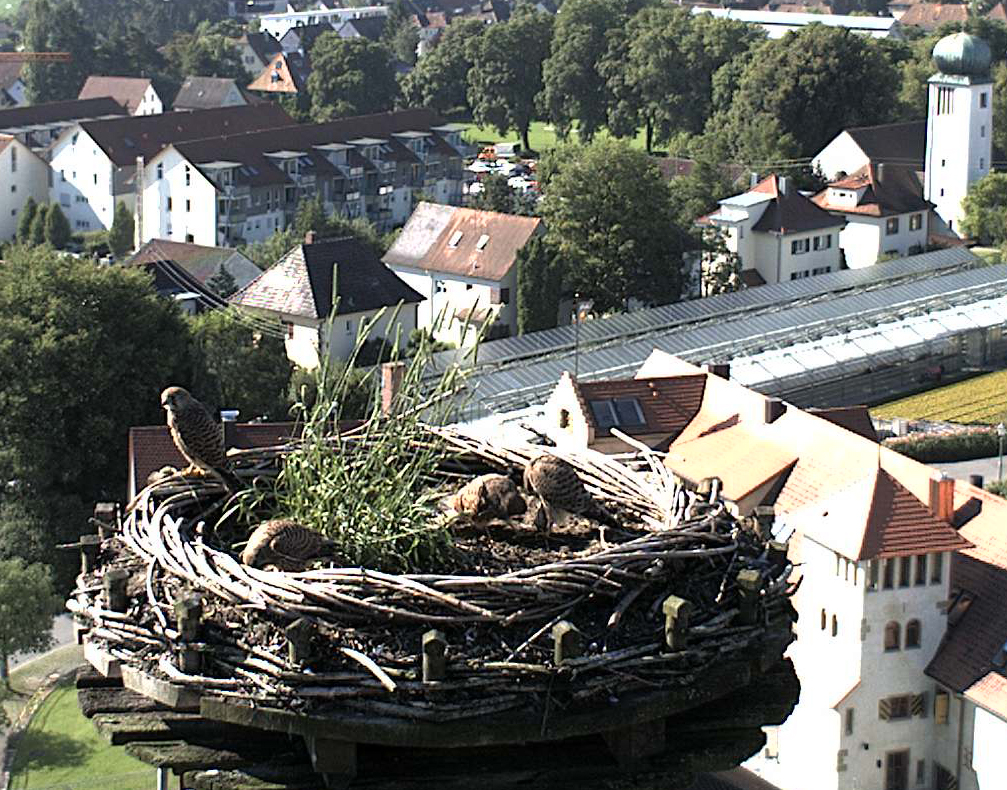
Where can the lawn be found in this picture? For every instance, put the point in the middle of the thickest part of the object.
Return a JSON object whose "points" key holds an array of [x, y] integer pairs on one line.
{"points": [[8, 8], [541, 135], [982, 399], [63, 748]]}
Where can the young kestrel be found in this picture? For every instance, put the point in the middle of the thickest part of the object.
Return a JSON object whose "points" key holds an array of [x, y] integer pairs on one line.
{"points": [[198, 438], [488, 497], [284, 544], [558, 486]]}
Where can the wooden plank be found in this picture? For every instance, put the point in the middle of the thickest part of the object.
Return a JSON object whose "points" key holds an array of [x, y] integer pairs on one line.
{"points": [[168, 694], [504, 728], [101, 660], [114, 700], [122, 728], [180, 756]]}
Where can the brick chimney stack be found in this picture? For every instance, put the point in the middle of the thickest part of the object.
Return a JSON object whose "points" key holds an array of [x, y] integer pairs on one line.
{"points": [[391, 382], [309, 237], [942, 497]]}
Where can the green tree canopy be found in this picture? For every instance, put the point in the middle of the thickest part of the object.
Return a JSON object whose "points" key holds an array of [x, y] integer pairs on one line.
{"points": [[36, 234], [439, 79], [120, 236], [350, 76], [206, 55], [539, 286], [815, 82], [506, 76], [985, 208], [400, 36], [573, 90], [84, 354], [247, 369], [609, 214], [496, 195], [25, 221], [28, 605], [56, 26], [57, 227]]}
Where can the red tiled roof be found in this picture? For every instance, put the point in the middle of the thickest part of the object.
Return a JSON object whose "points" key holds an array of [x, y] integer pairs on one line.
{"points": [[931, 16], [853, 418], [888, 189], [668, 405], [127, 91]]}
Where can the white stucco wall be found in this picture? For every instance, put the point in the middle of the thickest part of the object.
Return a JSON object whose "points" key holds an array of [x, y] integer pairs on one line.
{"points": [[82, 181], [989, 757], [150, 104], [392, 323], [195, 223], [22, 175], [958, 146], [842, 155], [865, 239]]}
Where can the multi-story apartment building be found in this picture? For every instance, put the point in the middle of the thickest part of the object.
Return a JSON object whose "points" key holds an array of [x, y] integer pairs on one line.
{"points": [[244, 187], [94, 163], [23, 175]]}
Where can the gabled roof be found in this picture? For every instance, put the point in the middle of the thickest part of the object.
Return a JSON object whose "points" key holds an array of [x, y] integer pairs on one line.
{"points": [[9, 74], [127, 91], [931, 16], [790, 211], [888, 189], [303, 37], [901, 143], [264, 45], [301, 282], [369, 27], [287, 72], [205, 93], [197, 261], [856, 419], [124, 139], [60, 111], [667, 404], [466, 241]]}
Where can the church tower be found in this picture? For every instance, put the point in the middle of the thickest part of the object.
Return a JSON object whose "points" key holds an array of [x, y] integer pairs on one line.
{"points": [[959, 125]]}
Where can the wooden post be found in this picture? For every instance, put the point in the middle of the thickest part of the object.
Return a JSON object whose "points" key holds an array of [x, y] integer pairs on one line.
{"points": [[335, 760], [776, 553], [677, 613], [765, 515], [749, 587], [188, 613], [299, 635], [89, 545], [190, 660], [434, 649], [105, 513], [114, 582], [567, 642]]}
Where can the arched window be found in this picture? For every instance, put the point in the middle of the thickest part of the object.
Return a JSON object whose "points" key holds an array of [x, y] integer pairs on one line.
{"points": [[892, 634], [564, 418], [913, 633], [823, 619], [835, 625]]}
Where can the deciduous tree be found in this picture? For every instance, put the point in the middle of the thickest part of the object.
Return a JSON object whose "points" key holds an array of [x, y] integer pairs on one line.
{"points": [[539, 286], [985, 208], [206, 55], [350, 76], [56, 26], [506, 76], [28, 605], [440, 77], [609, 214]]}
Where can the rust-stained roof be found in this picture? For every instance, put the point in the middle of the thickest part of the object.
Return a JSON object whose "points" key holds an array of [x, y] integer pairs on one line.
{"points": [[127, 91], [667, 404], [743, 459], [468, 242], [291, 71], [931, 16]]}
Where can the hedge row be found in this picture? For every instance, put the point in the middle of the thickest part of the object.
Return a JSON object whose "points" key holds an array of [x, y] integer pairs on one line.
{"points": [[963, 445]]}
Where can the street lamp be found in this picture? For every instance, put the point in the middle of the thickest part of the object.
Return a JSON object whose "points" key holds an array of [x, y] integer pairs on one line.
{"points": [[1001, 433], [582, 307]]}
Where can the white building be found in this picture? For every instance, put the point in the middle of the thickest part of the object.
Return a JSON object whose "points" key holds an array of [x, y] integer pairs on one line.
{"points": [[23, 175], [135, 94], [777, 233], [851, 149], [13, 91], [277, 25], [325, 292], [94, 163], [884, 211], [462, 261], [778, 23], [959, 124]]}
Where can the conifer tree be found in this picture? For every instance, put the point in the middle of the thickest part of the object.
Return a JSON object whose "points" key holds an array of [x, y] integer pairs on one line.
{"points": [[24, 224], [36, 235], [539, 286], [120, 237], [57, 228]]}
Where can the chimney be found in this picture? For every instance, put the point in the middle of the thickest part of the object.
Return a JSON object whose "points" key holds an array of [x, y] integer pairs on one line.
{"points": [[976, 480], [942, 497], [753, 179], [722, 369], [139, 184], [879, 172], [774, 409], [228, 419], [391, 382], [309, 237], [782, 184]]}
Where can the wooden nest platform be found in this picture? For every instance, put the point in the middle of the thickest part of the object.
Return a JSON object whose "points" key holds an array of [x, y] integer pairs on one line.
{"points": [[588, 655]]}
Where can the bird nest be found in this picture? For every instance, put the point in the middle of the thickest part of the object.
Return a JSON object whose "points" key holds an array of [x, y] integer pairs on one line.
{"points": [[582, 614]]}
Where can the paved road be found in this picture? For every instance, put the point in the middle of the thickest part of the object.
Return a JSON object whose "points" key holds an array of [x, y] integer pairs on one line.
{"points": [[62, 632], [987, 467]]}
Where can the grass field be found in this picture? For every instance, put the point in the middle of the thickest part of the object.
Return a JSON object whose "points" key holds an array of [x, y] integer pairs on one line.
{"points": [[61, 748], [541, 135], [982, 399]]}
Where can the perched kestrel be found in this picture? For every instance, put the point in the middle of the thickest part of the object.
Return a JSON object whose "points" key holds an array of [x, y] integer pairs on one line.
{"points": [[194, 431], [489, 497], [561, 491], [284, 544]]}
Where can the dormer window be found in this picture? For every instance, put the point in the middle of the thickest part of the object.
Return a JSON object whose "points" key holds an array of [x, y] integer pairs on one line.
{"points": [[456, 237], [617, 412], [482, 242]]}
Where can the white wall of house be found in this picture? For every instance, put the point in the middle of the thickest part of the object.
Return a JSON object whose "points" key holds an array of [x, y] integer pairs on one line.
{"points": [[150, 104], [22, 175], [865, 239], [179, 202], [445, 294], [842, 156], [82, 181], [18, 93], [279, 24], [989, 758], [795, 255]]}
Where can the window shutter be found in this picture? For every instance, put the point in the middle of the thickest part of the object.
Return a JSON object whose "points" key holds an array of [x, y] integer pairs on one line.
{"points": [[941, 700], [919, 705], [884, 709]]}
